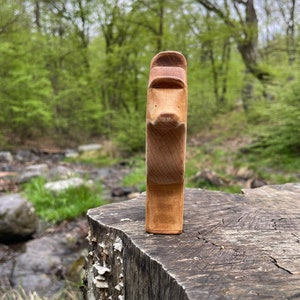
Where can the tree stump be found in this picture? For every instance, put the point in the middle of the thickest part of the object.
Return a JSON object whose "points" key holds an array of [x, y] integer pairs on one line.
{"points": [[232, 247]]}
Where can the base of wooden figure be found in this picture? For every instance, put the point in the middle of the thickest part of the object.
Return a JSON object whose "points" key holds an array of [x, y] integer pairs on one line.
{"points": [[164, 208]]}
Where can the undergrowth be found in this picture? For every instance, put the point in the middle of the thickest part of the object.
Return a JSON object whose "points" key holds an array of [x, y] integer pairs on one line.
{"points": [[137, 176], [69, 292], [66, 205]]}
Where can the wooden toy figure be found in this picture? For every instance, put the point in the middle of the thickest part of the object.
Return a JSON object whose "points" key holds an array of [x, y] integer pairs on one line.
{"points": [[166, 123]]}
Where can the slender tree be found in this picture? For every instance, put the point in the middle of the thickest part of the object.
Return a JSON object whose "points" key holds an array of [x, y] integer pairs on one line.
{"points": [[288, 11], [244, 30]]}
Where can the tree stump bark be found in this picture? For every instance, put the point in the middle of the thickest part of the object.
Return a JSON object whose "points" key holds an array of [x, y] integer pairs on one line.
{"points": [[232, 247]]}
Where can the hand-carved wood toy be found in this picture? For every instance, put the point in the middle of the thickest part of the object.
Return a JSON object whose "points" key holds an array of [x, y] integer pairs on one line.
{"points": [[166, 123]]}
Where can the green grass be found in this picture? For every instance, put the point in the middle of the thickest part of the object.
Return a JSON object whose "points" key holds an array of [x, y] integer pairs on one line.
{"points": [[196, 160], [70, 292], [222, 154], [137, 176], [275, 168], [93, 158], [19, 294], [65, 205], [213, 159]]}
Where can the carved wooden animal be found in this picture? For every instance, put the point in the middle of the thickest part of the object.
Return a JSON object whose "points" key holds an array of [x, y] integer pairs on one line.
{"points": [[166, 123]]}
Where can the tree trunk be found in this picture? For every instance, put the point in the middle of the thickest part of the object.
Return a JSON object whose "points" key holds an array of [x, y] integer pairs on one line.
{"points": [[225, 68], [160, 26], [245, 33], [247, 91]]}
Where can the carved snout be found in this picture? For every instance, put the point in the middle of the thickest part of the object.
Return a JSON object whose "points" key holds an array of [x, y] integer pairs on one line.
{"points": [[167, 121], [168, 117], [167, 105]]}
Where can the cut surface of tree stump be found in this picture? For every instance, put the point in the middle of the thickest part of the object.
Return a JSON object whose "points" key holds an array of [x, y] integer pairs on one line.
{"points": [[166, 123], [232, 247]]}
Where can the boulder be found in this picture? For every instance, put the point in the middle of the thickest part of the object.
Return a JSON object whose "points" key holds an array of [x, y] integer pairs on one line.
{"points": [[208, 176], [26, 156], [60, 173], [7, 262], [244, 173], [254, 183], [31, 172], [40, 168], [122, 191], [6, 156], [18, 219], [89, 147], [47, 262], [62, 185], [40, 267], [70, 153]]}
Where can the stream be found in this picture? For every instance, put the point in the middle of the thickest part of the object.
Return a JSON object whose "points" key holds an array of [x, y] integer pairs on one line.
{"points": [[51, 262]]}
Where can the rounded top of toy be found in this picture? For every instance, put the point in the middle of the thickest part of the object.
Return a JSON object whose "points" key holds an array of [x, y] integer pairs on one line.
{"points": [[168, 70]]}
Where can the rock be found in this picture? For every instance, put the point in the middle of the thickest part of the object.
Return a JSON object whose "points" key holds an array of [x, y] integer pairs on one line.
{"points": [[47, 271], [26, 155], [254, 183], [209, 177], [61, 172], [62, 185], [17, 218], [32, 171], [7, 262], [40, 168], [122, 191], [244, 173], [70, 153], [47, 261], [101, 174], [133, 195], [7, 182], [6, 167], [40, 267], [89, 147], [90, 152], [6, 156]]}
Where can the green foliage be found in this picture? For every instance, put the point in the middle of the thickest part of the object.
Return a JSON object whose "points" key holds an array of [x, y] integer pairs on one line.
{"points": [[137, 176], [24, 88], [206, 185], [274, 127], [213, 158], [130, 131], [20, 294], [279, 132], [70, 292], [79, 71], [68, 204], [95, 158]]}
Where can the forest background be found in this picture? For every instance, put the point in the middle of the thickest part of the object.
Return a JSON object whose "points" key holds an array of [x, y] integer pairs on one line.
{"points": [[77, 70]]}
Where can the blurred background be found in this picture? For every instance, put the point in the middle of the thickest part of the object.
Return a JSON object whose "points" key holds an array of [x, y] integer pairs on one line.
{"points": [[73, 71]]}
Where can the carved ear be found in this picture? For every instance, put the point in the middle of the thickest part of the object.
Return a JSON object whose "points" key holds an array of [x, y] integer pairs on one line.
{"points": [[168, 59], [168, 70]]}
